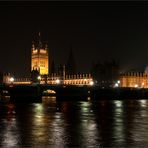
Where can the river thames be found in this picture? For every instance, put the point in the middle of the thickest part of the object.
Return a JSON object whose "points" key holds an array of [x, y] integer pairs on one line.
{"points": [[101, 123]]}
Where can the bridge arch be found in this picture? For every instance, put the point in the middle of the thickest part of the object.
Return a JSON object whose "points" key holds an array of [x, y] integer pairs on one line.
{"points": [[48, 91]]}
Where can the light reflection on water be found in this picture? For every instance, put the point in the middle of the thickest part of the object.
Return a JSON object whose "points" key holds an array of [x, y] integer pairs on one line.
{"points": [[75, 124]]}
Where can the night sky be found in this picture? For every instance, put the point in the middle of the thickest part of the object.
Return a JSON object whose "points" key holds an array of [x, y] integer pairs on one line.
{"points": [[95, 30]]}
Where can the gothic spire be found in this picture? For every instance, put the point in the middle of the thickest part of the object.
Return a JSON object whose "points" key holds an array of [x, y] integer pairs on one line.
{"points": [[39, 41], [71, 64]]}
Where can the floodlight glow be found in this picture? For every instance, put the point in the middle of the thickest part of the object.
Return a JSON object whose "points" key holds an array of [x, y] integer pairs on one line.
{"points": [[91, 83], [118, 103], [39, 77], [136, 85], [57, 81], [143, 103], [11, 79], [116, 85], [118, 81]]}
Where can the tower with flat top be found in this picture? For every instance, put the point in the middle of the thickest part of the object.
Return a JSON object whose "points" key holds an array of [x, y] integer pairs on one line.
{"points": [[39, 56]]}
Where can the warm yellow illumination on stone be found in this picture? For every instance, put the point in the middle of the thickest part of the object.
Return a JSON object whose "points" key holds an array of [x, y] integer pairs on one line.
{"points": [[134, 79], [34, 51], [43, 51], [39, 60]]}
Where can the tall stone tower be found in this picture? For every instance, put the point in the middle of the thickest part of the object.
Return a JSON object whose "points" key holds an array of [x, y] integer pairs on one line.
{"points": [[39, 57]]}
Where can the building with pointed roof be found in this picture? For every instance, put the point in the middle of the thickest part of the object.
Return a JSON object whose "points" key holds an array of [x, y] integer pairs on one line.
{"points": [[39, 56], [40, 69]]}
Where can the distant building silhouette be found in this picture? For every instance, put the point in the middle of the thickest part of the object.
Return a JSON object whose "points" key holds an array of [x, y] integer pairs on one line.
{"points": [[105, 73], [1, 77], [71, 64], [34, 76], [60, 70]]}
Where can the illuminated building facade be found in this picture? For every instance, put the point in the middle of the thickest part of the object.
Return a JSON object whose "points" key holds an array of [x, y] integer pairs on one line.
{"points": [[39, 57], [79, 79], [40, 71], [134, 79]]}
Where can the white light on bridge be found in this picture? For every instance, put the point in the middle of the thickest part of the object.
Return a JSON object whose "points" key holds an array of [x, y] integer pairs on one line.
{"points": [[118, 103], [143, 103]]}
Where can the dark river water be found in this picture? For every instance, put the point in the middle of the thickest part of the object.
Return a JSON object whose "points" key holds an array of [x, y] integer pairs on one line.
{"points": [[75, 124]]}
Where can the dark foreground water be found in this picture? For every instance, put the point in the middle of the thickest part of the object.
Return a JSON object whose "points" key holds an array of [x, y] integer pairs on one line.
{"points": [[75, 124]]}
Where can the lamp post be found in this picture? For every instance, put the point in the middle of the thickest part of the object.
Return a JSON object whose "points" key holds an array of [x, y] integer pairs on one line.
{"points": [[11, 79], [39, 78], [91, 83], [57, 81]]}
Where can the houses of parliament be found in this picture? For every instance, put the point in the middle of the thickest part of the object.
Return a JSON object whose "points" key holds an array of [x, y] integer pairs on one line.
{"points": [[40, 70], [42, 73]]}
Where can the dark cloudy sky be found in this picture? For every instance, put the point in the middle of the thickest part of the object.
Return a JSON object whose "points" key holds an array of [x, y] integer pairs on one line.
{"points": [[96, 31]]}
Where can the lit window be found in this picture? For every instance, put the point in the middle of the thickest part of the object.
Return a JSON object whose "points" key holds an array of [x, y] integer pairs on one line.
{"points": [[42, 64], [42, 51], [34, 51]]}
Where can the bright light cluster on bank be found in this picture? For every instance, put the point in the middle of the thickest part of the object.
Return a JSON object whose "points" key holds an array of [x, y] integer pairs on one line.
{"points": [[117, 84], [81, 80]]}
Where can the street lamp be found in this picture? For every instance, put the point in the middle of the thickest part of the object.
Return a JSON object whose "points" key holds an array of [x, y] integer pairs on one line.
{"points": [[57, 81], [91, 83], [143, 84], [39, 78], [11, 79], [116, 85]]}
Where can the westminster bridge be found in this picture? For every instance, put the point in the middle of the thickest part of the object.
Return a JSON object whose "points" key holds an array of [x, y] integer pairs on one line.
{"points": [[35, 92], [73, 86]]}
